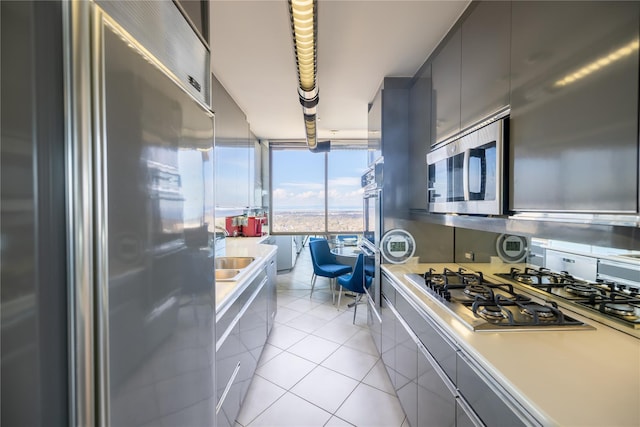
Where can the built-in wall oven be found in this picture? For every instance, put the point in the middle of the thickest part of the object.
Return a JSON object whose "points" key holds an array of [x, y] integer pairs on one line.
{"points": [[370, 243], [466, 173]]}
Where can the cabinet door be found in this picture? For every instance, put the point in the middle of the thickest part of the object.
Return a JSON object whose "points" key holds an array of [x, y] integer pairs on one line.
{"points": [[227, 367], [574, 98], [419, 137], [232, 155], [488, 404], [374, 125], [272, 300], [485, 67], [436, 403], [253, 335], [374, 322], [388, 340], [198, 13], [442, 350], [406, 358], [463, 418], [446, 89]]}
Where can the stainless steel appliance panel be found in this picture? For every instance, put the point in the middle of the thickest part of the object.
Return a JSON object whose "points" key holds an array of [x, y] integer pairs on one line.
{"points": [[34, 369], [158, 183], [183, 53], [574, 133], [580, 266]]}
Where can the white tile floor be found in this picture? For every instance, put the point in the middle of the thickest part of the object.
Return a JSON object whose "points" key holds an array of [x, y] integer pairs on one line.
{"points": [[318, 369]]}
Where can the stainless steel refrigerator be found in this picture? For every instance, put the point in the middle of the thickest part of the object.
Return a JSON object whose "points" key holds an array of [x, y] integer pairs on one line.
{"points": [[110, 297]]}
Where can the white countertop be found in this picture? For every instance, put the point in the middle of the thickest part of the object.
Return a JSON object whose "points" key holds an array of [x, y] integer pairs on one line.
{"points": [[243, 247], [565, 378]]}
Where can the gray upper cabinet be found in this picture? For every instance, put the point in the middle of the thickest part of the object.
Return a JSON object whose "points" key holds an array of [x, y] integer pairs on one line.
{"points": [[374, 125], [574, 98], [197, 11], [234, 152], [419, 136], [255, 173], [389, 137], [485, 66], [446, 89]]}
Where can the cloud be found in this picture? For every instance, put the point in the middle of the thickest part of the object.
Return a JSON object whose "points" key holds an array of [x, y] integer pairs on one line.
{"points": [[317, 186], [345, 181]]}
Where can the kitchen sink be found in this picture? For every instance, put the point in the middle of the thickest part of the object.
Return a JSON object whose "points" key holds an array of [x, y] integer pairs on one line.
{"points": [[633, 256], [233, 262], [226, 274]]}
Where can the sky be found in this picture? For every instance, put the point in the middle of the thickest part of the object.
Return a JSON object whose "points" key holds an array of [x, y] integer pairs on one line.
{"points": [[298, 179]]}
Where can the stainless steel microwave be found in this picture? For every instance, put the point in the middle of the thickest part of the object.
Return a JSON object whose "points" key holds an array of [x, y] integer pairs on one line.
{"points": [[466, 174]]}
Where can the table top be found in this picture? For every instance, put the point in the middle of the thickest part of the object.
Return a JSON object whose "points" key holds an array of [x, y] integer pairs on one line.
{"points": [[348, 251]]}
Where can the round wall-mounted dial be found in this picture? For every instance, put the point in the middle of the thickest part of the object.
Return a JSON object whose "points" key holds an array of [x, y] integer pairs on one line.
{"points": [[511, 248], [397, 246]]}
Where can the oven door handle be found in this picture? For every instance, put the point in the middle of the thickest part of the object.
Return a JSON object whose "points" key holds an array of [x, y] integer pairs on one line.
{"points": [[368, 249]]}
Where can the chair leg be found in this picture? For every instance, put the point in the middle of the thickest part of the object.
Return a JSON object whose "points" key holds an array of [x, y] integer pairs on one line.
{"points": [[313, 283], [339, 295], [355, 307], [333, 290]]}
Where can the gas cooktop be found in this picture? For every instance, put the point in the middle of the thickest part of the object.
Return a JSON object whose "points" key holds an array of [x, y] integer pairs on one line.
{"points": [[486, 306], [610, 300]]}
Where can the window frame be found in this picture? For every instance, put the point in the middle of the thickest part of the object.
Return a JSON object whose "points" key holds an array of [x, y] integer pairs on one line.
{"points": [[280, 146]]}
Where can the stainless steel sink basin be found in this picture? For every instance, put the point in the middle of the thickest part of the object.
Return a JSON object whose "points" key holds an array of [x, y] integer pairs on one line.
{"points": [[226, 274], [632, 256], [231, 262]]}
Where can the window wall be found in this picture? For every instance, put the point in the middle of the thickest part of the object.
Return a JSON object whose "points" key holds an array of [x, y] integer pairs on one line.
{"points": [[316, 192]]}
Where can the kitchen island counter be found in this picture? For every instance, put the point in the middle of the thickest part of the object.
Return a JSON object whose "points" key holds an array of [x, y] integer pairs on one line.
{"points": [[562, 378]]}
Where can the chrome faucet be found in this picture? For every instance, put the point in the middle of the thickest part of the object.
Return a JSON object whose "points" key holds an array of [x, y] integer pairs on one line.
{"points": [[226, 233]]}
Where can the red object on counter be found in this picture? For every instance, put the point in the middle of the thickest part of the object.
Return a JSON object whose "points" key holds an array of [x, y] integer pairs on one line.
{"points": [[232, 226], [253, 228]]}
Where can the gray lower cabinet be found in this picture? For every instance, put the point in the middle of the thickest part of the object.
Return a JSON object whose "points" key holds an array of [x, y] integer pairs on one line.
{"points": [[241, 333], [388, 328], [436, 382], [374, 322], [272, 300], [574, 102], [406, 358], [463, 418], [490, 406], [388, 339], [227, 365], [435, 400]]}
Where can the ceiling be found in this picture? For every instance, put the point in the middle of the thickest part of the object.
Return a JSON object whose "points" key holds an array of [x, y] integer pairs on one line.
{"points": [[359, 43]]}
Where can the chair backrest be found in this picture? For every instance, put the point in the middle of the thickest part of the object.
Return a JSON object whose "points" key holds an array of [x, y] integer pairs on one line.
{"points": [[320, 253], [357, 278]]}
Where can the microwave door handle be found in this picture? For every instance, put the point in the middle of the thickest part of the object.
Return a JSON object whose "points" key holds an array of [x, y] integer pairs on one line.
{"points": [[480, 154], [465, 175]]}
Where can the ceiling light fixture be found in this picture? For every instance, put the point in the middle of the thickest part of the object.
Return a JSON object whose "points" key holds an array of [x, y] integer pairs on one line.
{"points": [[304, 27]]}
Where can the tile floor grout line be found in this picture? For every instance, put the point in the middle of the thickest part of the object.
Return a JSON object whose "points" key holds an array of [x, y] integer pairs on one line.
{"points": [[294, 289]]}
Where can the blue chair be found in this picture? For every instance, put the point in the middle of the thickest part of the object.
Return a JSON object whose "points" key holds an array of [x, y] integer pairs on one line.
{"points": [[355, 282], [325, 264]]}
